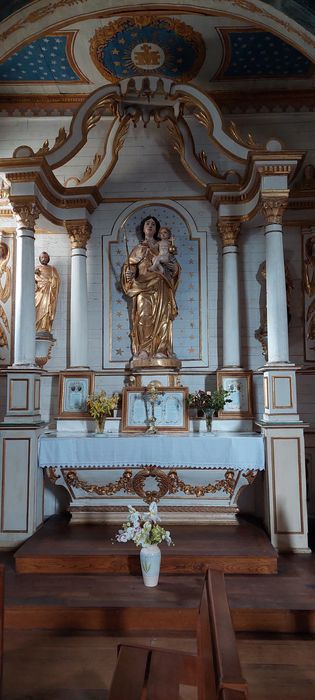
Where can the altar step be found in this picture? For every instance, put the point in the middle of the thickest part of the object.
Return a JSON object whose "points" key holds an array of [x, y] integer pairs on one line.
{"points": [[120, 604], [60, 547]]}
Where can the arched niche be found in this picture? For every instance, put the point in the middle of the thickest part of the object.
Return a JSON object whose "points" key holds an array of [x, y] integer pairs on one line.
{"points": [[190, 328]]}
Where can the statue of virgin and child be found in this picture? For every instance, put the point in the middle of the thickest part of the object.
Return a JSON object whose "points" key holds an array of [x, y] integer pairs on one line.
{"points": [[150, 277]]}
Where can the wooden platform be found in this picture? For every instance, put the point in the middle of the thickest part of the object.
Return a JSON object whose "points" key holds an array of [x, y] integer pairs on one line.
{"points": [[119, 603], [60, 547]]}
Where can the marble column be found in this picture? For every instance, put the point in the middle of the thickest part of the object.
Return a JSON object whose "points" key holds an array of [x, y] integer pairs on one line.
{"points": [[79, 233], [229, 231], [25, 330], [277, 316]]}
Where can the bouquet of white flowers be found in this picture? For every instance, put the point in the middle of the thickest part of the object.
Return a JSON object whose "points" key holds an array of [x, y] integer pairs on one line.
{"points": [[144, 528]]}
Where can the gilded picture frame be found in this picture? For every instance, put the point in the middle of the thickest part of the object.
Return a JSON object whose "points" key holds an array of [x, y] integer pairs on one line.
{"points": [[240, 385], [74, 388], [170, 409]]}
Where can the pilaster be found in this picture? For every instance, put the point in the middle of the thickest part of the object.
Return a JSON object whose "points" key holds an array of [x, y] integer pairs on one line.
{"points": [[79, 233], [229, 230]]}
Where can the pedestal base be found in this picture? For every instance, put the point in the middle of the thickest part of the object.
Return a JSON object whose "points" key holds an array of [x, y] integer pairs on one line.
{"points": [[155, 362]]}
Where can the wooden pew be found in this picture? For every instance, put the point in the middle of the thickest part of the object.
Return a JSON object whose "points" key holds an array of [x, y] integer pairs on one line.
{"points": [[145, 673], [2, 573]]}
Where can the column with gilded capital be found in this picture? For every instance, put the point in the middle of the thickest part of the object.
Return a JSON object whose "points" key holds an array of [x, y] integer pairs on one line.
{"points": [[79, 233], [24, 341], [229, 231], [277, 318]]}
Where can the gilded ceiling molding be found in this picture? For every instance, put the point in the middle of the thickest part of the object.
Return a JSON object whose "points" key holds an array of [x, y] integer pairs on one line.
{"points": [[112, 145], [229, 230], [206, 111], [274, 205], [25, 213], [87, 116], [79, 232], [59, 140]]}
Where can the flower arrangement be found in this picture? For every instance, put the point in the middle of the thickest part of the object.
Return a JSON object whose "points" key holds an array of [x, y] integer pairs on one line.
{"points": [[207, 401], [100, 405], [144, 528]]}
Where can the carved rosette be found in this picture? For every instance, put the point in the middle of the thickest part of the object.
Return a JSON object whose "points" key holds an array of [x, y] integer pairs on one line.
{"points": [[25, 214], [273, 208], [229, 231], [79, 232]]}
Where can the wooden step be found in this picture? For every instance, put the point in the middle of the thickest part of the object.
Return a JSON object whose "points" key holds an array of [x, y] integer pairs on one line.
{"points": [[60, 547]]}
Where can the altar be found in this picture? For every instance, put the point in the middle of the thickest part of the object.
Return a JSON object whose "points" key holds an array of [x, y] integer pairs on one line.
{"points": [[194, 476]]}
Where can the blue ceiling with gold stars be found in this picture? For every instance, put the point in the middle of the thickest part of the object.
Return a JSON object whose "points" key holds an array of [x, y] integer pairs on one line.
{"points": [[43, 60], [148, 45], [257, 54]]}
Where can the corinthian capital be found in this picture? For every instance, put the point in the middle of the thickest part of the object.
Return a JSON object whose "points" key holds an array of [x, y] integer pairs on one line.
{"points": [[272, 207], [79, 232], [25, 214], [229, 231]]}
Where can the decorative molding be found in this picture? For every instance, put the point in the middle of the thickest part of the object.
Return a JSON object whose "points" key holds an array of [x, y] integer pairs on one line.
{"points": [[79, 232], [273, 207], [25, 214], [229, 231], [247, 141], [167, 483]]}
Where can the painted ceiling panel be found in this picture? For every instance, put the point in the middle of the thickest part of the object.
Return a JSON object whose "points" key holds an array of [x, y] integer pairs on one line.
{"points": [[255, 54], [42, 60], [154, 46]]}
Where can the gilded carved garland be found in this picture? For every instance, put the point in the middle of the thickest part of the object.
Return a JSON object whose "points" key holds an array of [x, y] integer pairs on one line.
{"points": [[167, 483]]}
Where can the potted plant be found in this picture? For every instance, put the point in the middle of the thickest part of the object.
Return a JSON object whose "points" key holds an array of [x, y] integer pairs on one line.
{"points": [[208, 403], [100, 406], [145, 531]]}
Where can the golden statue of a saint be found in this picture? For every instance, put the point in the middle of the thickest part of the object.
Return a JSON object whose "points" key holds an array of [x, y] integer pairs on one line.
{"points": [[152, 289], [47, 283], [5, 291]]}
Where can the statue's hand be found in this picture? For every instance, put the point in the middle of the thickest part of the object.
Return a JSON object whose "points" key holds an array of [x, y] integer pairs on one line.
{"points": [[171, 266], [130, 274]]}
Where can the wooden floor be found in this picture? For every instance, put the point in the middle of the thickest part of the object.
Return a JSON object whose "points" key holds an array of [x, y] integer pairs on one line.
{"points": [[61, 630], [45, 666], [60, 547]]}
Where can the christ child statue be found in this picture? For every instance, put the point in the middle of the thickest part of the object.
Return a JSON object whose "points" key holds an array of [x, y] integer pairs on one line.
{"points": [[166, 248]]}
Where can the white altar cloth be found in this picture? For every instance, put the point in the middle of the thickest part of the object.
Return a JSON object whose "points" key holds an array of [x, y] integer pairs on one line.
{"points": [[220, 450]]}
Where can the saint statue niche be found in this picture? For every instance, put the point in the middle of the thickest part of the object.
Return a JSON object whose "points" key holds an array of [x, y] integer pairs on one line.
{"points": [[47, 283], [151, 286]]}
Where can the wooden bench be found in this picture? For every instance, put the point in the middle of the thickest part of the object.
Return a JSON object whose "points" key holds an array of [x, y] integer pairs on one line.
{"points": [[2, 573], [146, 673]]}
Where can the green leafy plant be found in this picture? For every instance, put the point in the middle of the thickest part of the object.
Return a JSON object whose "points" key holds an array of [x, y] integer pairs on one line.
{"points": [[209, 400]]}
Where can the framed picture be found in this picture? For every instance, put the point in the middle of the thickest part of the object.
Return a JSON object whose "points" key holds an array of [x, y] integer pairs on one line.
{"points": [[240, 386], [169, 408], [74, 388]]}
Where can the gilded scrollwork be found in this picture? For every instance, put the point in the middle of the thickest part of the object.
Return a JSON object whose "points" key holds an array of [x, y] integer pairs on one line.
{"points": [[247, 141], [59, 140], [53, 476], [167, 483], [123, 484], [227, 484]]}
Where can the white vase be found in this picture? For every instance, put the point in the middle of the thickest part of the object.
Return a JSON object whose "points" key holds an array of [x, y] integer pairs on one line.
{"points": [[150, 559]]}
